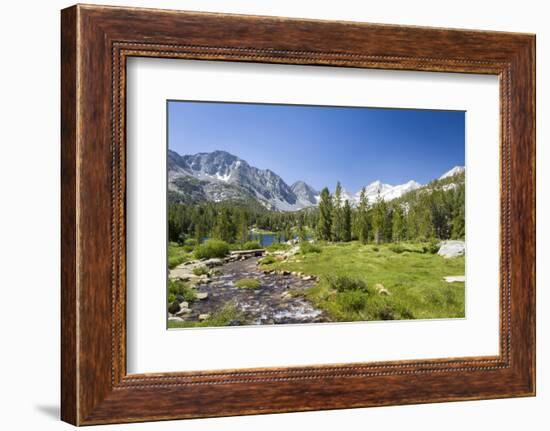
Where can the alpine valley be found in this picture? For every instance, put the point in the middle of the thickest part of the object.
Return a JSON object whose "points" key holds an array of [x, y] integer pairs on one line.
{"points": [[223, 177]]}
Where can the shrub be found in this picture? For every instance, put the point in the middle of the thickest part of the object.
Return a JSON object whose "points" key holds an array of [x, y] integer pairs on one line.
{"points": [[228, 315], [375, 248], [247, 283], [345, 283], [200, 270], [190, 242], [171, 298], [267, 260], [397, 248], [176, 287], [251, 245], [433, 247], [176, 255], [212, 248], [386, 313], [174, 261], [307, 247], [174, 307], [188, 248], [394, 312], [278, 246], [352, 301]]}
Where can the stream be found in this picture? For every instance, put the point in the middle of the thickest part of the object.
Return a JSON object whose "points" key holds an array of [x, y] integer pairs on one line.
{"points": [[271, 303]]}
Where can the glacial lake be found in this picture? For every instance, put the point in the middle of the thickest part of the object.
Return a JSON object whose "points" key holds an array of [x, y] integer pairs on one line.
{"points": [[266, 239]]}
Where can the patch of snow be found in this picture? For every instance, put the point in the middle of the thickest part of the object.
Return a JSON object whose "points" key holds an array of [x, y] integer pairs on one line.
{"points": [[224, 178]]}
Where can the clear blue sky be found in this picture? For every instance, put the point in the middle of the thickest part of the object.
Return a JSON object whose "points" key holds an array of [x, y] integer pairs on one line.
{"points": [[321, 145]]}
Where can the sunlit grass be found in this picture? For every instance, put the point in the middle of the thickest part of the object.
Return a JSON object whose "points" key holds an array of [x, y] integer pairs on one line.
{"points": [[412, 275]]}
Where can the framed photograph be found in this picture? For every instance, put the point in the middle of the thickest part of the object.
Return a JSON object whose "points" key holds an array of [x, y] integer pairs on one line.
{"points": [[266, 215]]}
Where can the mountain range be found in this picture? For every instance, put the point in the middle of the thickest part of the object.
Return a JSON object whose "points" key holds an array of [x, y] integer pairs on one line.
{"points": [[221, 176]]}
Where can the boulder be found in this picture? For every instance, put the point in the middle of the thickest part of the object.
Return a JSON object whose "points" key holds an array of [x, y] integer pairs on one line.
{"points": [[211, 263], [451, 248], [175, 319], [202, 295], [381, 290], [286, 295], [183, 311], [294, 250], [180, 299], [180, 274], [174, 307], [307, 278], [203, 316], [455, 279]]}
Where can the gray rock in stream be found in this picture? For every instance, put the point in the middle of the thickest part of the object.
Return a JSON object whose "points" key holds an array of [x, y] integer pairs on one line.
{"points": [[174, 307], [211, 263]]}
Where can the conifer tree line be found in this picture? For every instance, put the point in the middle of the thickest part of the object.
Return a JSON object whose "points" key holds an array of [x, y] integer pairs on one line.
{"points": [[436, 213]]}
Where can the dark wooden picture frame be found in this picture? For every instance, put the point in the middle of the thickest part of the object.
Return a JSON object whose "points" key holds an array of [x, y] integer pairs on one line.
{"points": [[95, 43]]}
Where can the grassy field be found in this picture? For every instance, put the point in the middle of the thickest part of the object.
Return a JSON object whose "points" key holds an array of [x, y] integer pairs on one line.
{"points": [[409, 272], [360, 282]]}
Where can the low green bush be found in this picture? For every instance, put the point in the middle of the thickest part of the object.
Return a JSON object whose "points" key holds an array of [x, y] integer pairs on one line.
{"points": [[251, 245], [308, 247], [176, 287], [393, 311], [201, 270], [174, 307], [228, 315], [375, 248], [174, 261], [345, 283], [247, 283], [212, 248], [190, 242], [278, 246], [397, 248], [433, 247], [177, 254], [267, 260], [171, 298], [352, 301]]}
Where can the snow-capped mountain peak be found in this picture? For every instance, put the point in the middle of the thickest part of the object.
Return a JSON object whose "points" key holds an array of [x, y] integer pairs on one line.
{"points": [[454, 171], [219, 176]]}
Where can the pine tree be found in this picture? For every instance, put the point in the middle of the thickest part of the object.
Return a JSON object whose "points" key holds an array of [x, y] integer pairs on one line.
{"points": [[379, 219], [362, 218], [458, 230], [324, 224], [199, 231], [301, 229], [337, 214], [224, 228], [242, 226], [398, 224], [346, 218]]}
